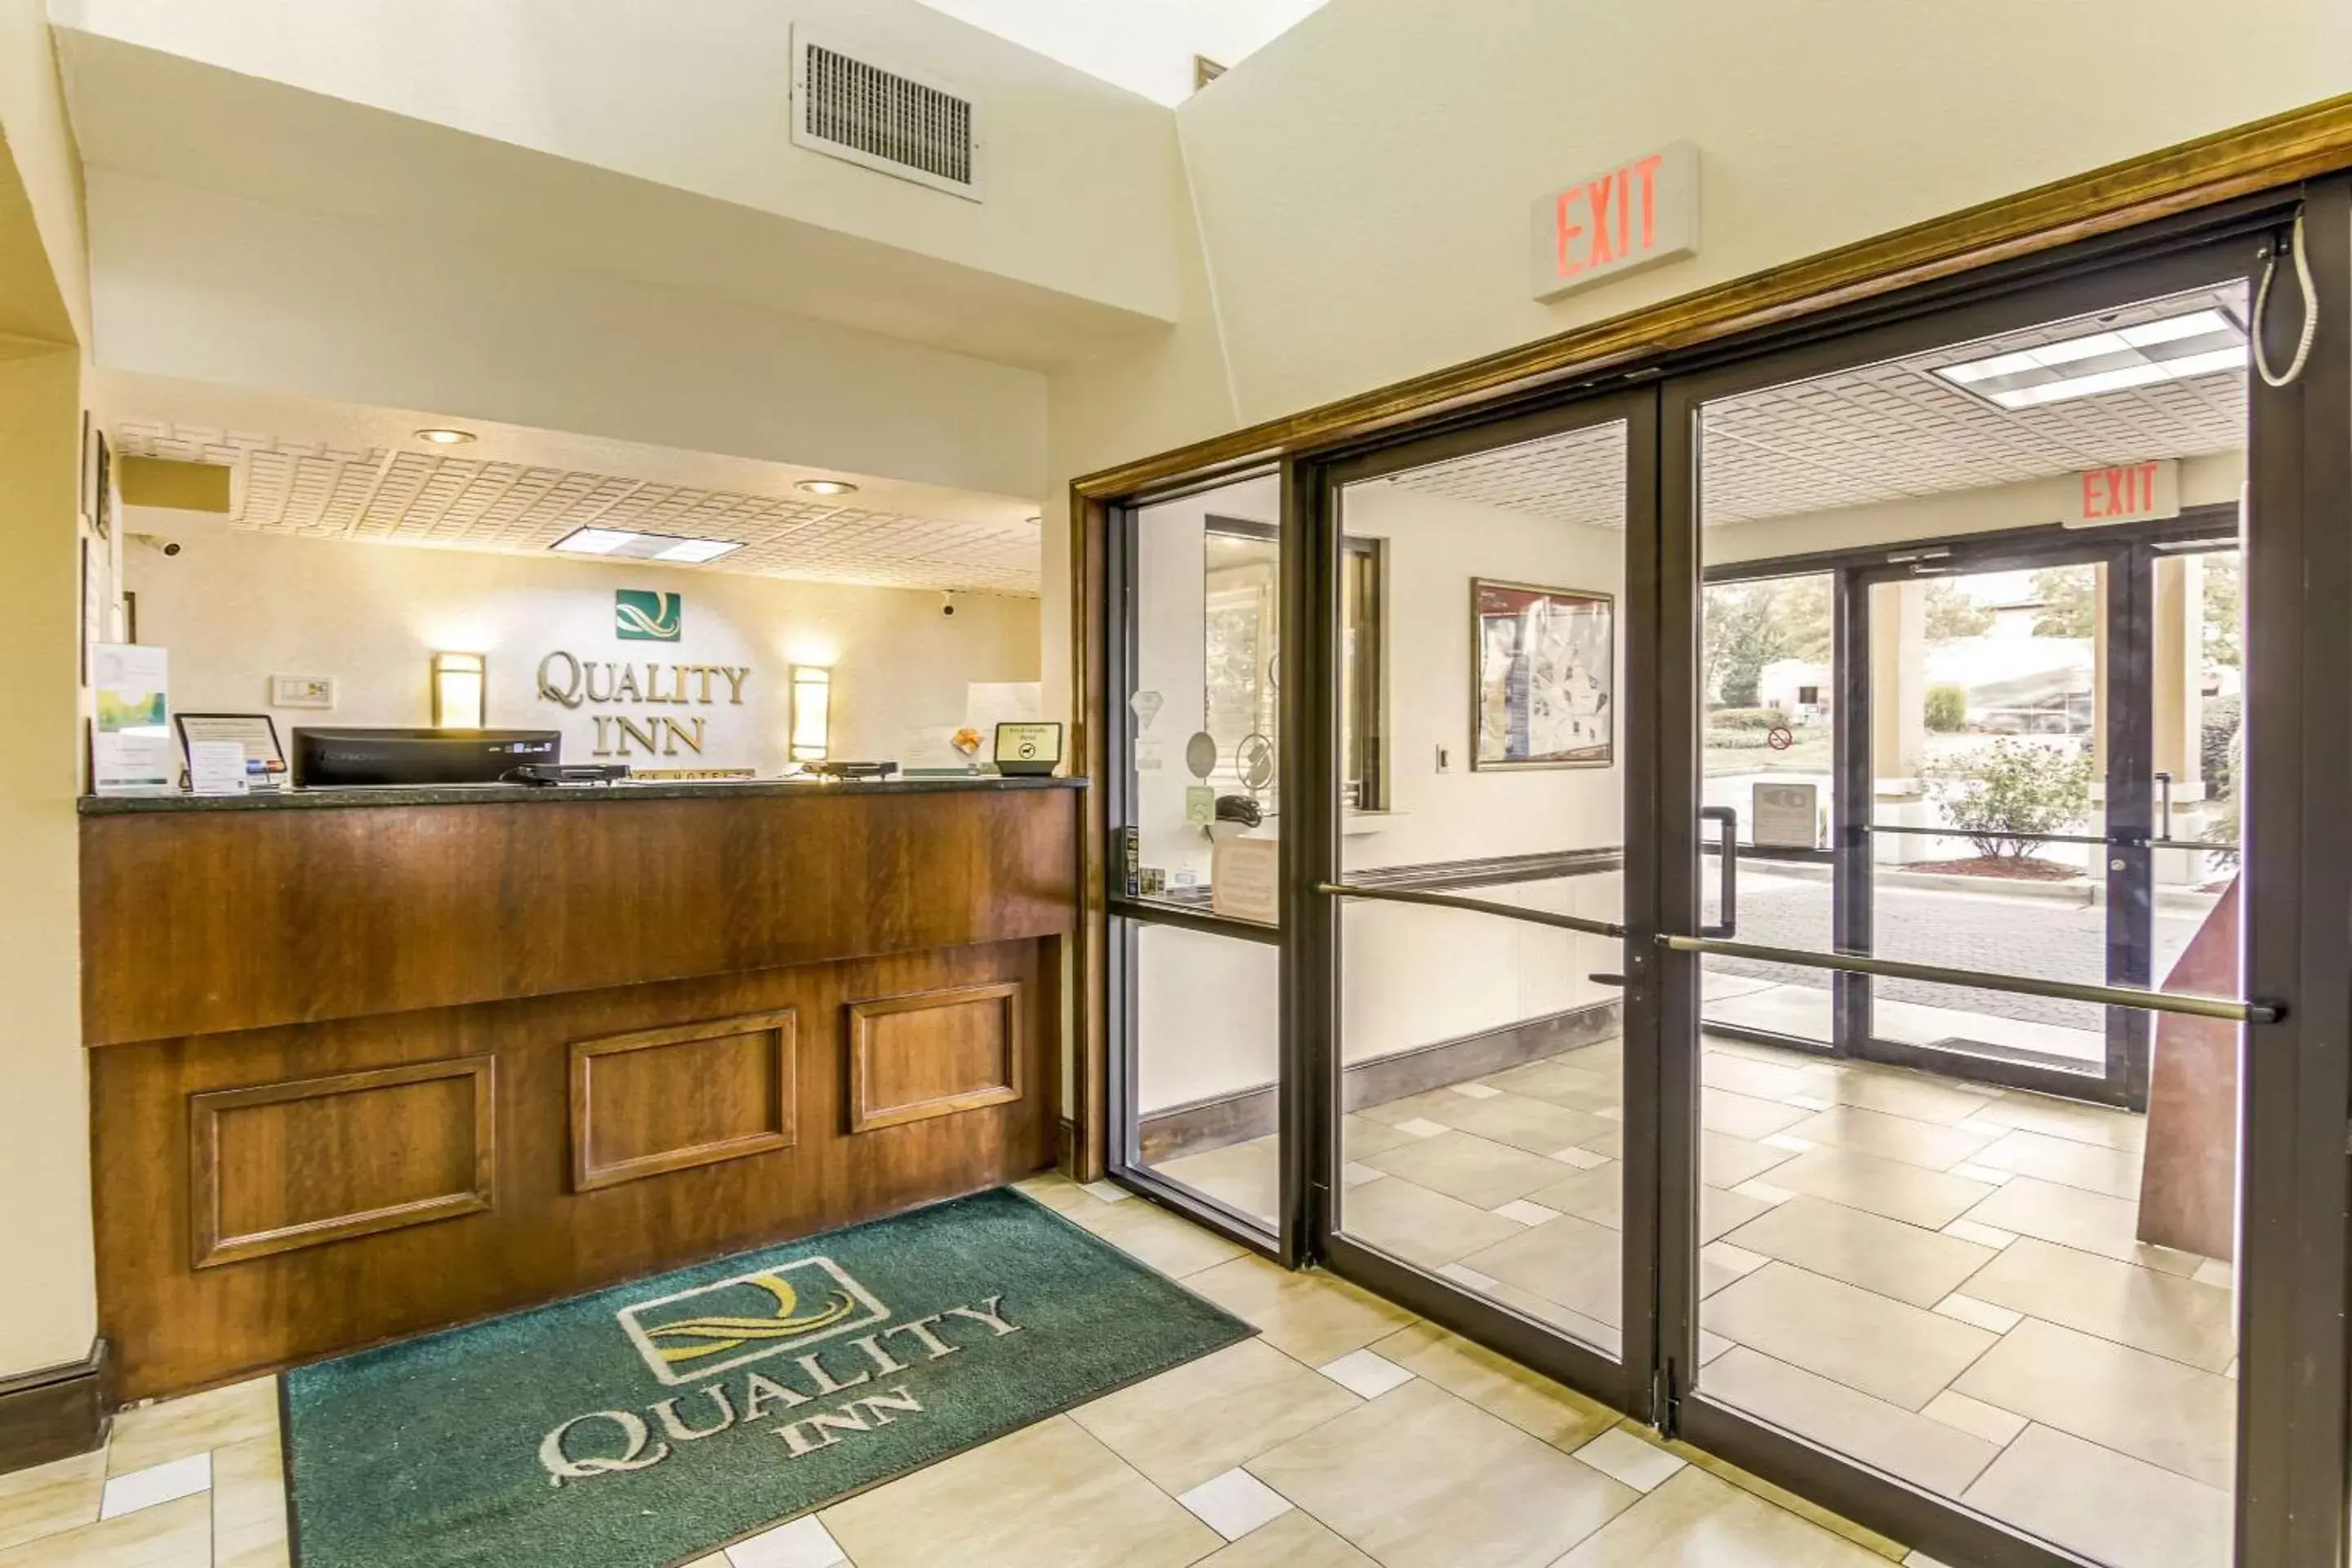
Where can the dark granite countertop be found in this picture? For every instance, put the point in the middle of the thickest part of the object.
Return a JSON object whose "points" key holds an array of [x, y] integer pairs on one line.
{"points": [[539, 794]]}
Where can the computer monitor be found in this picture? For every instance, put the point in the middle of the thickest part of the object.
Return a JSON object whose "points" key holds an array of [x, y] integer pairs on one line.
{"points": [[352, 757]]}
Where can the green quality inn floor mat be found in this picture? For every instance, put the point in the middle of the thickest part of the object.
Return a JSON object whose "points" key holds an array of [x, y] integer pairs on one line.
{"points": [[651, 1422]]}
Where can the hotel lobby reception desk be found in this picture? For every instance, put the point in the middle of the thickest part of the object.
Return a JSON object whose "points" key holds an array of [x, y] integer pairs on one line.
{"points": [[368, 1063]]}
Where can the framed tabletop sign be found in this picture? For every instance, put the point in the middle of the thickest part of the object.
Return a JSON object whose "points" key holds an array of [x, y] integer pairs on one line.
{"points": [[265, 759], [1543, 685]]}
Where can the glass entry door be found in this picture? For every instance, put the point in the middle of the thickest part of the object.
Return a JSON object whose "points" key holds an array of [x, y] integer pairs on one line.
{"points": [[1485, 1079], [1957, 1220]]}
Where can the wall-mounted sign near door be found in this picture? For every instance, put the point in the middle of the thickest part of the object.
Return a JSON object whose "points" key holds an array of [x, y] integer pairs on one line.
{"points": [[1637, 213]]}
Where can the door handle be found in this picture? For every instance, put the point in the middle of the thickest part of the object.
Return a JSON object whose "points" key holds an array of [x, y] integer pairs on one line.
{"points": [[1726, 838], [1616, 980]]}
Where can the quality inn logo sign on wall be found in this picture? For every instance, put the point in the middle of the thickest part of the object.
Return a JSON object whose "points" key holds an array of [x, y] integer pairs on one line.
{"points": [[642, 615]]}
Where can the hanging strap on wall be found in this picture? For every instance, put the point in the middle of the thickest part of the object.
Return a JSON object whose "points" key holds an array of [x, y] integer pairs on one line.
{"points": [[2310, 312]]}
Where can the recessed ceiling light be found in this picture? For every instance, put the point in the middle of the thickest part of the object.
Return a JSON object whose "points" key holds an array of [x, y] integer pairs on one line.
{"points": [[443, 436], [620, 544], [2171, 348], [828, 487]]}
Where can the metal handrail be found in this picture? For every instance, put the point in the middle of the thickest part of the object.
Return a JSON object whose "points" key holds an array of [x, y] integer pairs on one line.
{"points": [[1476, 906], [2233, 1011]]}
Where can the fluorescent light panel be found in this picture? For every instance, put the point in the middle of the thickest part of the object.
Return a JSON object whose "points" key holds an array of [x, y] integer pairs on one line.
{"points": [[2171, 348], [620, 544]]}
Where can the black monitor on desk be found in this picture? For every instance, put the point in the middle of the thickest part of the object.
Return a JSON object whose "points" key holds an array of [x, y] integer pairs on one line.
{"points": [[329, 757]]}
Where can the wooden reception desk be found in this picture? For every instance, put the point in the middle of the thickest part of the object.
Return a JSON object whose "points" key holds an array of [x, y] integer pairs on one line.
{"points": [[366, 1063]]}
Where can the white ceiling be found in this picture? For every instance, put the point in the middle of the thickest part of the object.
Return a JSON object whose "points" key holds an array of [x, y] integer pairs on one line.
{"points": [[449, 498], [1879, 433]]}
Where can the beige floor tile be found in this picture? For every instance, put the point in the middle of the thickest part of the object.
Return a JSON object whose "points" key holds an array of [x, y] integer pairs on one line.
{"points": [[1599, 1195], [1419, 1478], [1920, 1267], [1898, 1093], [1603, 1337], [1526, 1122], [2088, 1222], [1903, 1443], [1498, 1386], [2152, 1409], [1580, 1090], [1047, 1493], [1605, 1057], [249, 1504], [175, 1428], [2103, 1505], [1936, 1146], [1477, 1170], [48, 1499], [1745, 1116], [2067, 1118], [1930, 1199], [1696, 1520], [1202, 1418], [1725, 1161], [1157, 1238], [1989, 1422], [1569, 1261], [1242, 1176], [1362, 1135], [2164, 1313], [2092, 1166], [1880, 1347], [1056, 1192], [1309, 1315], [1294, 1540], [1746, 1074], [1421, 1226], [176, 1534]]}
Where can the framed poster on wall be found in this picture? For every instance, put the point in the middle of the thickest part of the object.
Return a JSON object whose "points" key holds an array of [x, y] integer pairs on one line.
{"points": [[1543, 691]]}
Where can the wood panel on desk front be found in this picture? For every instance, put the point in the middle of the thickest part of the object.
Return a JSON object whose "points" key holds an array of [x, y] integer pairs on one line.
{"points": [[198, 922], [372, 1232]]}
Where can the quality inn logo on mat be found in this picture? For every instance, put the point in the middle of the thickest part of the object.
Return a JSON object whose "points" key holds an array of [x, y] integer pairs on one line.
{"points": [[715, 1327], [642, 614]]}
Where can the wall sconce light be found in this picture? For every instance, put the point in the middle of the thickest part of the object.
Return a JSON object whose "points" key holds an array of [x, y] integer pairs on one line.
{"points": [[460, 683], [811, 712]]}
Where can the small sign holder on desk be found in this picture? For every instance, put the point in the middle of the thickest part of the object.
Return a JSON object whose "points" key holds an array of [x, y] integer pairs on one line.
{"points": [[1031, 749]]}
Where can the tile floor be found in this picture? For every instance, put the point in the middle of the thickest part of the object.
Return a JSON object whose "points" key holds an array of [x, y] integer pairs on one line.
{"points": [[1936, 1278], [1347, 1434]]}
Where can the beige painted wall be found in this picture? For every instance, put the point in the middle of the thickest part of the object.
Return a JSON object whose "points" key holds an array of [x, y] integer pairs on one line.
{"points": [[1361, 185], [1082, 193], [207, 288], [52, 1311], [235, 607]]}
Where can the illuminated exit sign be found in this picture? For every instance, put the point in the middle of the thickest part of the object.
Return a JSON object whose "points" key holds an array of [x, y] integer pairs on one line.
{"points": [[2134, 492], [1636, 215]]}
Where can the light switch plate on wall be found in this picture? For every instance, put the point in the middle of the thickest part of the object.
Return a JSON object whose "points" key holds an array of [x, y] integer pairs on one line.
{"points": [[301, 691]]}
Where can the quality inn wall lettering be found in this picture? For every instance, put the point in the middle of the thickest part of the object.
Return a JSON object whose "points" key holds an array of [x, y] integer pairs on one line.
{"points": [[722, 1339], [573, 682]]}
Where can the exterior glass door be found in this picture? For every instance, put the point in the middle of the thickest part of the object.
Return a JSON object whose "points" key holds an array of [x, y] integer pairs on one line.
{"points": [[1943, 1225], [1484, 1075]]}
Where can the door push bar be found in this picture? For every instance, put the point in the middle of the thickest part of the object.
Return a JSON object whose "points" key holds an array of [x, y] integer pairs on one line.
{"points": [[1476, 906], [2226, 1008]]}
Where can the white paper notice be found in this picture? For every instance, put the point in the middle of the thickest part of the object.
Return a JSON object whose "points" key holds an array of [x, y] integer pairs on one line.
{"points": [[1246, 879], [216, 767], [1784, 814]]}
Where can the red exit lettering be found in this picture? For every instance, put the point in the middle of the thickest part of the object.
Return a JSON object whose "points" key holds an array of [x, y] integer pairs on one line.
{"points": [[2118, 492], [1609, 219]]}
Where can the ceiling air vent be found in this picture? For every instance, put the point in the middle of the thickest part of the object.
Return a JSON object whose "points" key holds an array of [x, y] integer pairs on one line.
{"points": [[888, 121]]}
